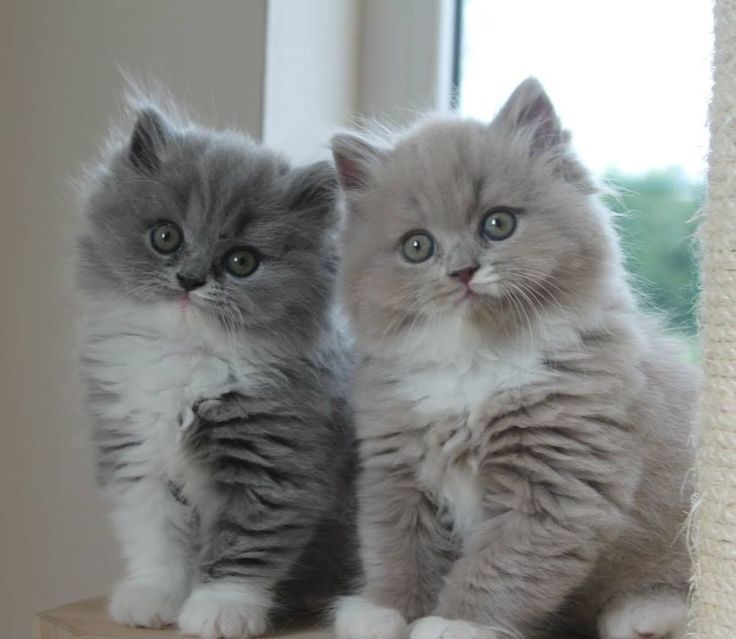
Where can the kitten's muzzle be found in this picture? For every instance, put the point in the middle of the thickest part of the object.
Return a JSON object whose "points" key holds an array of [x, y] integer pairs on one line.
{"points": [[190, 283], [464, 274]]}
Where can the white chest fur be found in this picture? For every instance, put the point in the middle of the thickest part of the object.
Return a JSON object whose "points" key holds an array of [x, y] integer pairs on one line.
{"points": [[157, 362], [449, 383], [448, 368], [456, 396], [464, 385]]}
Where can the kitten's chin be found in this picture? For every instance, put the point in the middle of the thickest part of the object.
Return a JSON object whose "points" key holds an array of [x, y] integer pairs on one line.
{"points": [[485, 312], [191, 308], [464, 303], [472, 299], [191, 302], [189, 305]]}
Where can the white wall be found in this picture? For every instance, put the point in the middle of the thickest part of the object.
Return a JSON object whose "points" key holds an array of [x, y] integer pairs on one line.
{"points": [[405, 58], [59, 89], [311, 58], [328, 61]]}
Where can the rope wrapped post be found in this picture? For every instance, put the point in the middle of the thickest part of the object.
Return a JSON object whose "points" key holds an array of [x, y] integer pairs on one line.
{"points": [[714, 596]]}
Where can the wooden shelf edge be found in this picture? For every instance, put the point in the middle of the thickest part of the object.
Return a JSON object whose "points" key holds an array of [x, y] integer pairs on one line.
{"points": [[88, 620]]}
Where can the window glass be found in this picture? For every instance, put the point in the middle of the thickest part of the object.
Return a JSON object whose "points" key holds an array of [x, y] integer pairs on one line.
{"points": [[632, 81]]}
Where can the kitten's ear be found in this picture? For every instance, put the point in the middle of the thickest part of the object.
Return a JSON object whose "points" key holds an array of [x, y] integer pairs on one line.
{"points": [[150, 137], [530, 108], [313, 187], [355, 159]]}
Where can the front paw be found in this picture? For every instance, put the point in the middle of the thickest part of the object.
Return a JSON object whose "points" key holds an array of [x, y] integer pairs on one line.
{"points": [[358, 618], [186, 419], [441, 628], [146, 604], [219, 409], [225, 611], [654, 616]]}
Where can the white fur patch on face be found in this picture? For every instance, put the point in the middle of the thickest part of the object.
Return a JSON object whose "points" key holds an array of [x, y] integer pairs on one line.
{"points": [[644, 617], [358, 618], [441, 628], [486, 281], [225, 610]]}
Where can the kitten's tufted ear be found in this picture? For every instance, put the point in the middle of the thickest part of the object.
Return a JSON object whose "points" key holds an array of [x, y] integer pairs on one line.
{"points": [[150, 137], [355, 159], [313, 187], [530, 108]]}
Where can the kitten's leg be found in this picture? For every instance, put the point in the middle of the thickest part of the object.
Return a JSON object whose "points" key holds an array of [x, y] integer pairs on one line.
{"points": [[357, 618], [645, 616], [405, 551], [520, 566], [153, 529], [266, 494], [553, 499]]}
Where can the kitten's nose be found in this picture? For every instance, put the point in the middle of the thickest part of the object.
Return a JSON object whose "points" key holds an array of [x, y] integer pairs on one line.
{"points": [[190, 283], [464, 274]]}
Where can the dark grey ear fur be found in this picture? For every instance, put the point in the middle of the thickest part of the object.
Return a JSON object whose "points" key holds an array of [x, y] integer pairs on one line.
{"points": [[150, 137], [313, 187]]}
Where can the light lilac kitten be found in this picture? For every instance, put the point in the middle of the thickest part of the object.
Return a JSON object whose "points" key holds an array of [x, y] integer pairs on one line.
{"points": [[525, 431]]}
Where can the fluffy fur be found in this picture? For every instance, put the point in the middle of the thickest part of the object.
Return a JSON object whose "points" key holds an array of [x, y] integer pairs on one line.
{"points": [[525, 432], [221, 428]]}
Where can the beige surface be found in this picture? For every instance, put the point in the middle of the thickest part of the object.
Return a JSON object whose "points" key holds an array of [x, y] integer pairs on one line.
{"points": [[59, 90], [715, 522], [87, 620]]}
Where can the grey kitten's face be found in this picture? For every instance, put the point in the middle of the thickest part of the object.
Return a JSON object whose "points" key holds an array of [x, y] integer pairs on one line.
{"points": [[211, 221], [493, 224]]}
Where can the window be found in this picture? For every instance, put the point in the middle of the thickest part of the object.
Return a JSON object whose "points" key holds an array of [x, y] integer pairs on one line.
{"points": [[632, 81]]}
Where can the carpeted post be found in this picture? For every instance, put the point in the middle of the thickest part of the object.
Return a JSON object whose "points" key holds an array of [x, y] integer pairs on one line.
{"points": [[714, 529]]}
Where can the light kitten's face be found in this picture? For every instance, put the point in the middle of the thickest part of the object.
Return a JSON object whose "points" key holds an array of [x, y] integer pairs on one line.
{"points": [[493, 224], [211, 222]]}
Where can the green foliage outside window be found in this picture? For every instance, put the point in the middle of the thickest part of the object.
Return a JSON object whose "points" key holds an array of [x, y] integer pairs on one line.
{"points": [[657, 220]]}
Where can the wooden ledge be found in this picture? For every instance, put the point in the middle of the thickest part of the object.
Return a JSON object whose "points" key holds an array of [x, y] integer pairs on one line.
{"points": [[88, 620]]}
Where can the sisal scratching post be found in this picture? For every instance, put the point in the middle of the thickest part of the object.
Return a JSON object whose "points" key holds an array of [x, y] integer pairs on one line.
{"points": [[714, 602]]}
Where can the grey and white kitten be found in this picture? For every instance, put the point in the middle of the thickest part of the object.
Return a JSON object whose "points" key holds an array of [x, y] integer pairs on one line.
{"points": [[525, 431], [216, 378]]}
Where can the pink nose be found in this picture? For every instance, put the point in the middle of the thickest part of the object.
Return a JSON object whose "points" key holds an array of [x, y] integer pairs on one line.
{"points": [[465, 274]]}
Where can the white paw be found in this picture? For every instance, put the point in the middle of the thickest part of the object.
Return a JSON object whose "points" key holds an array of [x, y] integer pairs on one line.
{"points": [[148, 604], [645, 617], [358, 618], [186, 418], [225, 611], [441, 628]]}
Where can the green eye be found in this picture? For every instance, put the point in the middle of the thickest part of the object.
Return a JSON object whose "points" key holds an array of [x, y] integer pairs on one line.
{"points": [[241, 262], [166, 237], [417, 246], [498, 224]]}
